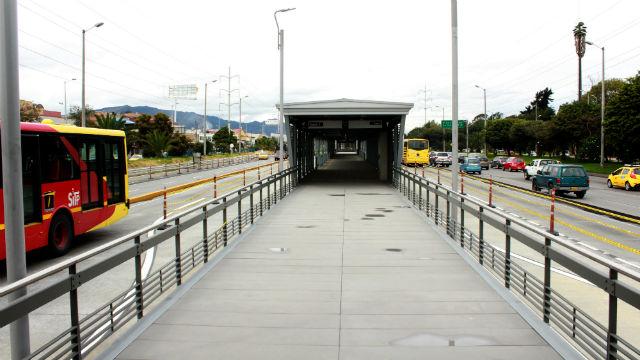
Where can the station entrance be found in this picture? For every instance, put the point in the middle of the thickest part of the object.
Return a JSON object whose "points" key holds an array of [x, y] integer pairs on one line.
{"points": [[362, 138]]}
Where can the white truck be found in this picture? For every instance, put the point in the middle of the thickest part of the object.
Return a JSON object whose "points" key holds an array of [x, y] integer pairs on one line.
{"points": [[535, 165]]}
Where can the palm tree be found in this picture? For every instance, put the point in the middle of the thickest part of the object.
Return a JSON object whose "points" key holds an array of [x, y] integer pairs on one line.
{"points": [[158, 142], [110, 121]]}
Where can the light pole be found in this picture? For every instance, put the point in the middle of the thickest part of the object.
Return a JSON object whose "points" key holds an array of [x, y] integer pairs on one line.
{"points": [[204, 148], [281, 118], [484, 95], [455, 166], [240, 119], [443, 135], [579, 34], [12, 169], [66, 114], [602, 102], [84, 115]]}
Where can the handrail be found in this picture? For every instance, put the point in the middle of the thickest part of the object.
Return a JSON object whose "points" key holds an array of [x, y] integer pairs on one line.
{"points": [[588, 253], [65, 264], [146, 170]]}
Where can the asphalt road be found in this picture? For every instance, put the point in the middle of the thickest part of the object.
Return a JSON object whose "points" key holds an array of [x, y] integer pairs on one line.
{"points": [[614, 238]]}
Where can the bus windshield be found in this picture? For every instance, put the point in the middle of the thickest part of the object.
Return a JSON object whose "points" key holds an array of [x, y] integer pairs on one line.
{"points": [[417, 144]]}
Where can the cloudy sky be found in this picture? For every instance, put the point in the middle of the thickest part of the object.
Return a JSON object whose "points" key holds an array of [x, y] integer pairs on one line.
{"points": [[380, 50]]}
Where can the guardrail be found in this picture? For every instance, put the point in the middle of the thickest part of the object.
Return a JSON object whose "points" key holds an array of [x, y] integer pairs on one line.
{"points": [[68, 277], [616, 281], [147, 173]]}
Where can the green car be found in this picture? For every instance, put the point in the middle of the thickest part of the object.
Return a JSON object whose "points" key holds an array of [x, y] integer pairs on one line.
{"points": [[564, 178]]}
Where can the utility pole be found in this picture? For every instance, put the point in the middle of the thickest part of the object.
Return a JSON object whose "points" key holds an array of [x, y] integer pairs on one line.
{"points": [[12, 169], [579, 35], [84, 110], [455, 166], [602, 103], [204, 148], [228, 103]]}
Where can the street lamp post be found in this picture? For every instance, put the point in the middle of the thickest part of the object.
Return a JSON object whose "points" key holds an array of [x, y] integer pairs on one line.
{"points": [[484, 95], [66, 113], [455, 166], [281, 118], [204, 148], [84, 115], [240, 120], [602, 103]]}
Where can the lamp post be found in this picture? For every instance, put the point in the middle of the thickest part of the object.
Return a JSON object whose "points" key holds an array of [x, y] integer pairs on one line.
{"points": [[240, 120], [204, 148], [66, 114], [455, 166], [602, 102], [484, 95], [443, 132], [281, 118], [579, 35], [84, 115]]}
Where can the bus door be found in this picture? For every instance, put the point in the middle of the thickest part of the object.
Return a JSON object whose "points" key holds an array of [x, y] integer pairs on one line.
{"points": [[90, 173], [31, 179]]}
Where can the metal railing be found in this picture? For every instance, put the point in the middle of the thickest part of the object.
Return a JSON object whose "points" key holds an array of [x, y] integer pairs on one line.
{"points": [[140, 174], [87, 332], [582, 330]]}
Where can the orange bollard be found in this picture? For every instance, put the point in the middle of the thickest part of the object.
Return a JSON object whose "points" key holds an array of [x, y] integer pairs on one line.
{"points": [[164, 203], [552, 212]]}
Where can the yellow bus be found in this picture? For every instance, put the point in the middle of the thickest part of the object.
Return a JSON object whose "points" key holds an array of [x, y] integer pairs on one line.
{"points": [[415, 152]]}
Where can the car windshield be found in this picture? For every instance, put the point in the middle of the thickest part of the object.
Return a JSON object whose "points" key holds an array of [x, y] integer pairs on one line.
{"points": [[518, 160], [474, 161], [573, 172], [636, 171], [417, 144], [443, 154]]}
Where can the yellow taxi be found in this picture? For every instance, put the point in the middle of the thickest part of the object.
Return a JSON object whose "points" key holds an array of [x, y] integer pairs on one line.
{"points": [[263, 155], [627, 176]]}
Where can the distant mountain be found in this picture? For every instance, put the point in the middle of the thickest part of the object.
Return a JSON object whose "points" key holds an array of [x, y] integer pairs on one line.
{"points": [[191, 119]]}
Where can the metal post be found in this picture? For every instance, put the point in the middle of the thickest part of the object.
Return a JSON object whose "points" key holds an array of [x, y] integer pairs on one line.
{"points": [[83, 114], [215, 187], [612, 341], [204, 148], [138, 287], [225, 234], [552, 212], [261, 205], [481, 237], [76, 343], [178, 260], [164, 203], [268, 195], [239, 212], [484, 95], [251, 202], [205, 234], [546, 301], [448, 219], [12, 169], [491, 190], [507, 255], [244, 177], [455, 166], [462, 183], [461, 222], [602, 102]]}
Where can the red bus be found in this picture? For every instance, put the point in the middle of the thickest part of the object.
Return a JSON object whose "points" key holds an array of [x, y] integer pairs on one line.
{"points": [[74, 181]]}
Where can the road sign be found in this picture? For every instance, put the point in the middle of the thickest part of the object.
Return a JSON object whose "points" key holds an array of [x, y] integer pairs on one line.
{"points": [[183, 92], [446, 124]]}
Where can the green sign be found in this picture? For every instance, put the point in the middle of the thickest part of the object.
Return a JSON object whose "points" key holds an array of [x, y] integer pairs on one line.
{"points": [[446, 124]]}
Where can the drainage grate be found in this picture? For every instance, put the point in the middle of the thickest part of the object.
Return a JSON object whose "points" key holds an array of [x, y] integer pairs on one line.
{"points": [[336, 194], [366, 218], [305, 226], [374, 215], [393, 250]]}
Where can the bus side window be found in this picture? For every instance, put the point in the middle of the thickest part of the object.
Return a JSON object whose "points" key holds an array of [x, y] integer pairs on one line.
{"points": [[90, 174], [30, 179], [57, 163], [114, 170]]}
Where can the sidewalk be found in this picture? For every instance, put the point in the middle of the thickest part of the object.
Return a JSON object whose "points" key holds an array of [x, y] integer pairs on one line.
{"points": [[341, 271]]}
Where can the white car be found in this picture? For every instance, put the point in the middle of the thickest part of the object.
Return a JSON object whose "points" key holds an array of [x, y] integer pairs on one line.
{"points": [[535, 165]]}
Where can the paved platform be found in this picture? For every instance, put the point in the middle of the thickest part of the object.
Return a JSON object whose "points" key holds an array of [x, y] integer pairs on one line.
{"points": [[361, 275]]}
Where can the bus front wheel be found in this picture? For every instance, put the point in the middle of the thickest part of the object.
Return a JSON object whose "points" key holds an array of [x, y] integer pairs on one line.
{"points": [[60, 234]]}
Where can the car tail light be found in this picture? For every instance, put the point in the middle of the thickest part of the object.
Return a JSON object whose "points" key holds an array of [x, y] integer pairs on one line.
{"points": [[557, 180], [633, 175]]}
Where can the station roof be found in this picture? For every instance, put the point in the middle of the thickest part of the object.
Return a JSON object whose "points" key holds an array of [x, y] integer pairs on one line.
{"points": [[346, 107]]}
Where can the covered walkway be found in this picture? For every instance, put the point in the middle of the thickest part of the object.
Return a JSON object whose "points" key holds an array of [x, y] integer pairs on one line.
{"points": [[340, 270]]}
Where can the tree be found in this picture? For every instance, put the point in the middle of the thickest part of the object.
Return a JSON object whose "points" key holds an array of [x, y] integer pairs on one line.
{"points": [[223, 138], [496, 115], [147, 124], [574, 123], [29, 111], [267, 143], [75, 113], [611, 89], [181, 145], [622, 121], [542, 102], [110, 121], [520, 135], [158, 143], [498, 134]]}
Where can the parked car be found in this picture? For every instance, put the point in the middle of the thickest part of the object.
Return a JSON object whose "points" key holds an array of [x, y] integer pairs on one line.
{"points": [[471, 165], [498, 161], [277, 155], [627, 176], [535, 165], [484, 162], [440, 159], [562, 177], [513, 164]]}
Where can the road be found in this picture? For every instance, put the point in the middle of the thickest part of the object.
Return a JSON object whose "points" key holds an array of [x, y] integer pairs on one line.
{"points": [[617, 239]]}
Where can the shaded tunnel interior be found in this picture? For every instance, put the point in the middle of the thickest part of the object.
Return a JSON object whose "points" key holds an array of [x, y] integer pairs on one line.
{"points": [[345, 147]]}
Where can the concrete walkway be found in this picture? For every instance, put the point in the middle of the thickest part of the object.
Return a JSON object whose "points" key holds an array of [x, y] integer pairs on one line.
{"points": [[341, 271]]}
